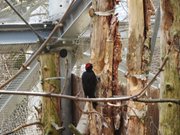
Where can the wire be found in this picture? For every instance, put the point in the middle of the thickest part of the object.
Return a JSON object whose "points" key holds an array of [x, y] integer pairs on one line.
{"points": [[32, 29]]}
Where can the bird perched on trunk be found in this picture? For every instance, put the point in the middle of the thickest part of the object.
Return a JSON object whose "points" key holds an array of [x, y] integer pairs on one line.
{"points": [[89, 82]]}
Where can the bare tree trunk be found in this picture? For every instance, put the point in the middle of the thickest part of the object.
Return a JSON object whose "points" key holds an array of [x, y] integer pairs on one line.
{"points": [[101, 57], [50, 106], [105, 54], [170, 79], [137, 62], [101, 28]]}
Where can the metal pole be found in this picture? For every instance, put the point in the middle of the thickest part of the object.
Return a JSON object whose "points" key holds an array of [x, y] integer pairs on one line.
{"points": [[155, 32]]}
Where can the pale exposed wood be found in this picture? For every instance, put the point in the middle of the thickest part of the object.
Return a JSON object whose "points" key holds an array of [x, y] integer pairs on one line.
{"points": [[136, 37], [83, 124], [135, 63], [105, 54], [100, 31], [102, 56], [95, 123], [170, 79]]}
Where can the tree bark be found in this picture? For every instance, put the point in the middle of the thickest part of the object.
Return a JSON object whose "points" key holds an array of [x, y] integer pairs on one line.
{"points": [[138, 59], [104, 42], [101, 28], [134, 61], [170, 78], [50, 106]]}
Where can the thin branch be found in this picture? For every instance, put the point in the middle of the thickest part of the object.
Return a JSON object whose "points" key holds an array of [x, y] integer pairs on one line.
{"points": [[22, 126], [75, 98], [32, 29], [38, 51], [90, 112], [131, 108], [29, 61], [115, 105], [141, 93], [176, 101], [49, 95]]}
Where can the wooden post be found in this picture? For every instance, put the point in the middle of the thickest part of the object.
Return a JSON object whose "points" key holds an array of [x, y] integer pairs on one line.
{"points": [[170, 78], [50, 106]]}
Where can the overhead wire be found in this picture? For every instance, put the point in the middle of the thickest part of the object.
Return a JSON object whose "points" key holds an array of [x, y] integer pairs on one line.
{"points": [[39, 50], [32, 29]]}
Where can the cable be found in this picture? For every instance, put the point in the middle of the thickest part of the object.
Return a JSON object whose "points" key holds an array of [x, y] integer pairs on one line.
{"points": [[32, 29]]}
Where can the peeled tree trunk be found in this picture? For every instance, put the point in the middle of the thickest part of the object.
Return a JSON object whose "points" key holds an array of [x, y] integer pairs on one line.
{"points": [[101, 28], [170, 77], [138, 58], [101, 57], [50, 106], [136, 111], [105, 57]]}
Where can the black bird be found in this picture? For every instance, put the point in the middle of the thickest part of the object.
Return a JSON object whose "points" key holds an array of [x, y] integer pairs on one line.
{"points": [[89, 82]]}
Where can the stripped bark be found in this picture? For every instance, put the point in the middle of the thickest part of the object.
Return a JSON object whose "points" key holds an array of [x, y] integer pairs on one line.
{"points": [[99, 48], [134, 61], [95, 122], [138, 59], [101, 26], [105, 56]]}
